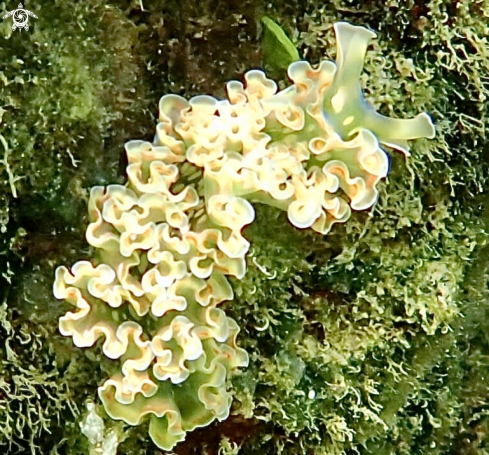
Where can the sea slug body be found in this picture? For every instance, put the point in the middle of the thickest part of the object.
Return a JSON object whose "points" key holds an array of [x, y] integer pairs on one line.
{"points": [[167, 240]]}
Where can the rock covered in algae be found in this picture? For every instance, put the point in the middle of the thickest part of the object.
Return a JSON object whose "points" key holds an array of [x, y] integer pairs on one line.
{"points": [[167, 240]]}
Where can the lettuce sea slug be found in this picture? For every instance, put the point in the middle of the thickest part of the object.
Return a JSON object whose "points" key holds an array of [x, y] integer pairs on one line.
{"points": [[167, 240]]}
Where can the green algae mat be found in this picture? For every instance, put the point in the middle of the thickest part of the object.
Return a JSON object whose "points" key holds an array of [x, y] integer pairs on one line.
{"points": [[244, 227]]}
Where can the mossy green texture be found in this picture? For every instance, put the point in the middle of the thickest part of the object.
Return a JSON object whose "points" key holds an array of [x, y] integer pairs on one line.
{"points": [[431, 218]]}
